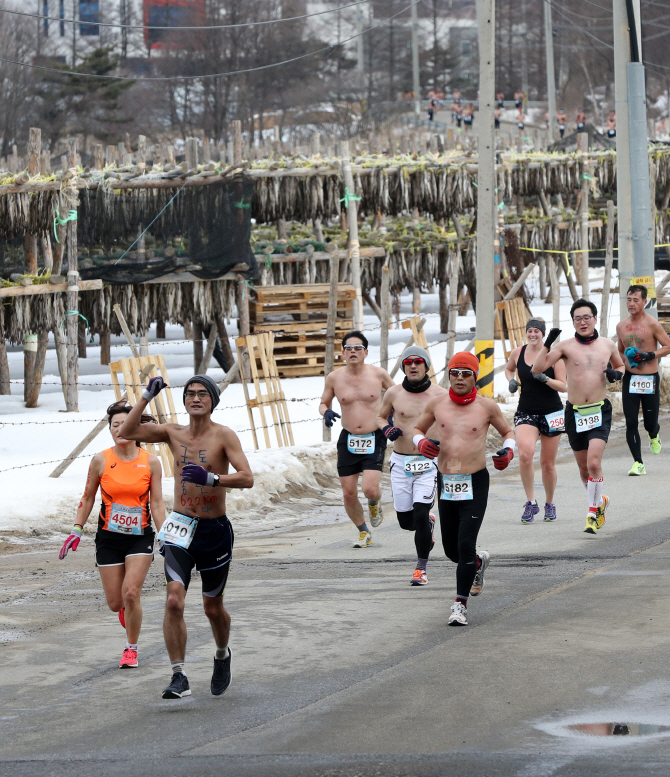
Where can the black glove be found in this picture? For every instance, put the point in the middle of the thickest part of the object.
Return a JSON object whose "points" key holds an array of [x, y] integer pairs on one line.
{"points": [[644, 356], [551, 337], [540, 376], [612, 375], [392, 432], [329, 417], [513, 385]]}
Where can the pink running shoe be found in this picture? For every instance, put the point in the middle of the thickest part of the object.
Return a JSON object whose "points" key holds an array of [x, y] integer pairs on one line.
{"points": [[128, 659]]}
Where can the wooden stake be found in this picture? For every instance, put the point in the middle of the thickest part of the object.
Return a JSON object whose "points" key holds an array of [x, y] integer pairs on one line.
{"points": [[72, 319], [30, 247], [81, 340], [527, 270], [242, 305], [105, 347], [225, 342], [5, 386], [609, 259], [197, 345], [354, 245], [211, 345], [555, 292], [47, 253], [34, 150], [385, 316], [33, 393], [126, 331], [160, 329], [331, 320], [237, 141], [29, 359]]}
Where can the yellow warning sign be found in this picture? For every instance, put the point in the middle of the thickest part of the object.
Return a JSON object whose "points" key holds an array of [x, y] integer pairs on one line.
{"points": [[648, 282]]}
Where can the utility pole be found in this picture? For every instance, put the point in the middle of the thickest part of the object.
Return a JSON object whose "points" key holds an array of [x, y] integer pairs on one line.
{"points": [[551, 75], [524, 50], [416, 82], [636, 239], [486, 197], [124, 30]]}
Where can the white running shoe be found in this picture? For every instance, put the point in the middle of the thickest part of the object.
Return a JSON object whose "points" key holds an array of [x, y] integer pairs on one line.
{"points": [[478, 582], [459, 615], [376, 513], [364, 539]]}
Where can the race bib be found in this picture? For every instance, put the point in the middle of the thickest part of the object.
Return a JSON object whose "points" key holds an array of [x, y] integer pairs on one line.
{"points": [[178, 529], [456, 488], [127, 520], [416, 465], [556, 421], [641, 384], [361, 444], [588, 417]]}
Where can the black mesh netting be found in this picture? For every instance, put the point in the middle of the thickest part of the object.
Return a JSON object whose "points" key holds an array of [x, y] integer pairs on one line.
{"points": [[206, 226]]}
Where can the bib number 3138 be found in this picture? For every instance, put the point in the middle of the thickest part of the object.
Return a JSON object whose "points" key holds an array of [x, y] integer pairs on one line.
{"points": [[585, 423], [456, 488], [178, 529], [361, 444]]}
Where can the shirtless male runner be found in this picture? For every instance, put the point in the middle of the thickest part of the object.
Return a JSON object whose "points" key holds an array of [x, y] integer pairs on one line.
{"points": [[358, 388], [639, 337], [197, 533], [461, 420], [588, 412], [413, 476]]}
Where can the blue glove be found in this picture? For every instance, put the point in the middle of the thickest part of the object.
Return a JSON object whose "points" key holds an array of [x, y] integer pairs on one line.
{"points": [[153, 389], [392, 432], [631, 353], [329, 417], [194, 473]]}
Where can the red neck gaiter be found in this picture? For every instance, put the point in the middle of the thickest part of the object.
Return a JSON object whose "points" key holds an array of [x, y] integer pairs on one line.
{"points": [[462, 400]]}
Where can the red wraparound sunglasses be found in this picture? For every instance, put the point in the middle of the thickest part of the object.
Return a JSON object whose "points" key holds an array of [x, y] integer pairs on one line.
{"points": [[410, 361]]}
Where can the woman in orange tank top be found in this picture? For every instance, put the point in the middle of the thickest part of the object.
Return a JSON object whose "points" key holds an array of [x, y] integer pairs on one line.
{"points": [[130, 485]]}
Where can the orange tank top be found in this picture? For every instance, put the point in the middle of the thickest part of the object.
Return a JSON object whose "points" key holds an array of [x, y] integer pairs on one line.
{"points": [[124, 487]]}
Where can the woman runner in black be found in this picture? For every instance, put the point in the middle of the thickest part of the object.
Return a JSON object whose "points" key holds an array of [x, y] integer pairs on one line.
{"points": [[539, 415]]}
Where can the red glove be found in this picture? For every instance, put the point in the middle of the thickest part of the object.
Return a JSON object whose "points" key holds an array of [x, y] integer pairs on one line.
{"points": [[428, 448], [502, 458], [72, 542]]}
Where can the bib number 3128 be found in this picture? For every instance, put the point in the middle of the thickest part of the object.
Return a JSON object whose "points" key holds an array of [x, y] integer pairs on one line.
{"points": [[456, 488]]}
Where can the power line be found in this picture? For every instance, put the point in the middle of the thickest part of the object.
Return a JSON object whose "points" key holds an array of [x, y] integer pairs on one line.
{"points": [[199, 27], [206, 75]]}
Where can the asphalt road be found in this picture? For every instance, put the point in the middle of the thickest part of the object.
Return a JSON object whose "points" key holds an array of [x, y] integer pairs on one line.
{"points": [[341, 668]]}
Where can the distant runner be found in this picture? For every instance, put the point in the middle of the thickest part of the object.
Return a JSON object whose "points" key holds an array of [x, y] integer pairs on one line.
{"points": [[562, 120], [611, 125], [638, 337], [588, 412], [129, 479], [358, 388], [462, 420], [539, 415], [197, 533], [413, 477]]}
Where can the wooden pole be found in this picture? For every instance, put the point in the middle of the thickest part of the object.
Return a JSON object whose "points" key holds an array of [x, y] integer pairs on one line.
{"points": [[385, 316], [225, 342], [331, 320], [583, 144], [29, 359], [126, 331], [520, 281], [160, 329], [555, 292], [197, 345], [609, 260], [105, 347], [5, 388], [72, 314], [61, 356], [211, 345], [81, 340], [375, 307], [237, 141], [38, 370], [34, 150], [243, 305], [453, 306], [354, 245], [570, 277], [47, 253], [30, 248]]}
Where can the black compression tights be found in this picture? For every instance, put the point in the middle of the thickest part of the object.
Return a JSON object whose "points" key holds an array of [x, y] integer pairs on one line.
{"points": [[631, 408], [418, 521]]}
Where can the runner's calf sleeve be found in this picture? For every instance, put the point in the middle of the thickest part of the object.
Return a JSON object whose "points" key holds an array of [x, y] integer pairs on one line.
{"points": [[595, 490], [423, 536]]}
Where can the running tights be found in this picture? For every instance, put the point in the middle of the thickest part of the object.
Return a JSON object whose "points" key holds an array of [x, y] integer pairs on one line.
{"points": [[418, 521], [631, 408], [460, 523]]}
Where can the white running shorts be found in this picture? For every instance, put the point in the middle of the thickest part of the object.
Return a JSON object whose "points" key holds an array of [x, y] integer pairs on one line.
{"points": [[408, 489]]}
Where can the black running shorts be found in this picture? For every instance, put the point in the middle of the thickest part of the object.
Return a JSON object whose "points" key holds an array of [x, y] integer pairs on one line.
{"points": [[349, 463], [112, 548], [210, 552], [538, 421], [579, 441]]}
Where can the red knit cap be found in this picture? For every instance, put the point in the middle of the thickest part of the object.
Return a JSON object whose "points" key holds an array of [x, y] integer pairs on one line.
{"points": [[464, 361]]}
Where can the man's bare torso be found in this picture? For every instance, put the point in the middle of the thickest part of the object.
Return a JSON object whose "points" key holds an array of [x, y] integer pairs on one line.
{"points": [[461, 430], [640, 335], [208, 451], [584, 365], [359, 393], [407, 409]]}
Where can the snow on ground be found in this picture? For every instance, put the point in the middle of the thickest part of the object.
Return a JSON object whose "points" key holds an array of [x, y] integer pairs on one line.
{"points": [[34, 503]]}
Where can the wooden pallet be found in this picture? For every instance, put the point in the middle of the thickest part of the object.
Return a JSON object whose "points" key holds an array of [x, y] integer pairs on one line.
{"points": [[663, 305], [510, 323], [255, 355], [162, 407], [300, 332]]}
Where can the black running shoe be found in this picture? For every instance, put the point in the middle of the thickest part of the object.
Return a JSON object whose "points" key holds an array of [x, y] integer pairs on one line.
{"points": [[221, 676], [178, 688]]}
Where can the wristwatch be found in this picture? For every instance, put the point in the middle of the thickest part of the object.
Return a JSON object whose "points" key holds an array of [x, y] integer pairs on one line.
{"points": [[217, 479]]}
